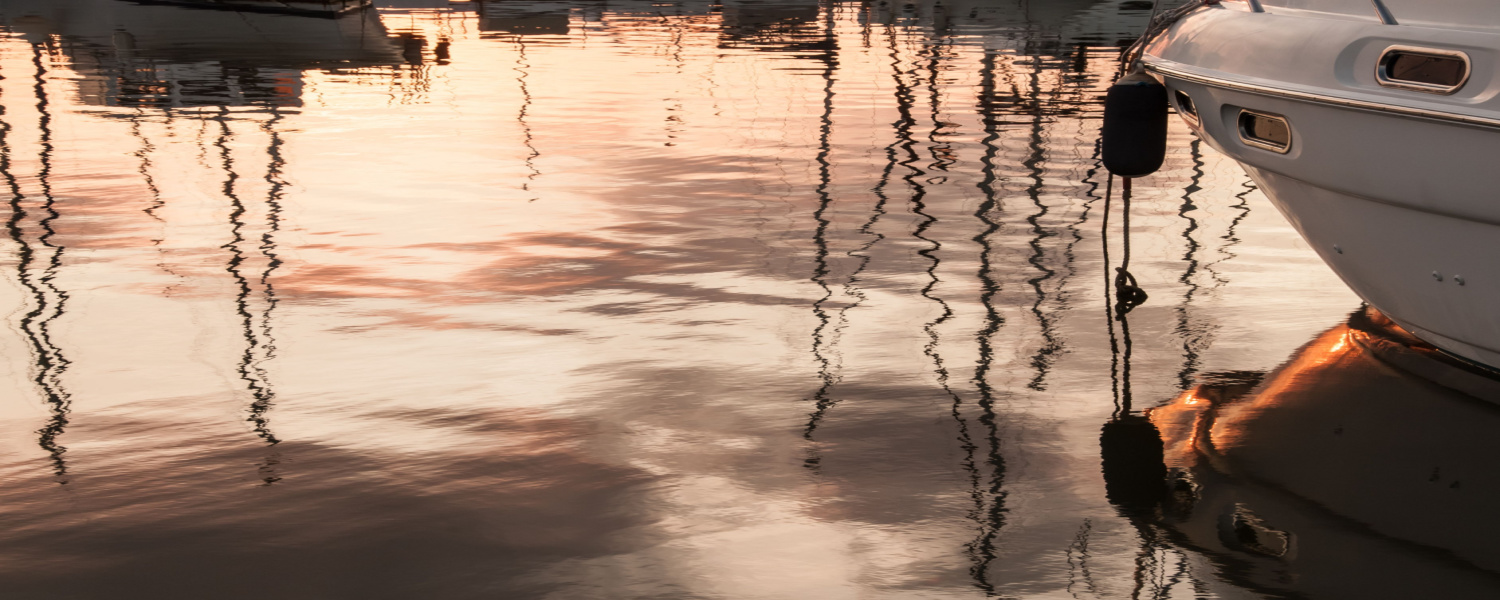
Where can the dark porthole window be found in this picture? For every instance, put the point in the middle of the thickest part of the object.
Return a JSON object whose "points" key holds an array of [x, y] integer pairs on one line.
{"points": [[1265, 131], [1423, 70], [1185, 106]]}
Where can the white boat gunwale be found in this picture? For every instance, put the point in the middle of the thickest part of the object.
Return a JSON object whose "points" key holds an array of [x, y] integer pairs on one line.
{"points": [[1170, 69]]}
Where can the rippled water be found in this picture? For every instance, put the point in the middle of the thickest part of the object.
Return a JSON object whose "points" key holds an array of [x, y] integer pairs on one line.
{"points": [[572, 299]]}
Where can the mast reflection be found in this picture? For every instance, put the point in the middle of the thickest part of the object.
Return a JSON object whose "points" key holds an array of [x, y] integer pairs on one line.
{"points": [[260, 344], [989, 510], [49, 301], [1194, 338], [521, 114], [827, 372], [53, 363], [1034, 165]]}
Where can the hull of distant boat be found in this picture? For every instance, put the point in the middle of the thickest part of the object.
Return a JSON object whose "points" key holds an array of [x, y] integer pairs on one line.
{"points": [[178, 32], [301, 7], [1394, 188]]}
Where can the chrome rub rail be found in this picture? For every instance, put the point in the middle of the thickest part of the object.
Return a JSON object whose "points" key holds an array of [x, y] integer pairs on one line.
{"points": [[1365, 105]]}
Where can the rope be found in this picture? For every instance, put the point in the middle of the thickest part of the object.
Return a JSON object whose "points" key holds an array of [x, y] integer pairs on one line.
{"points": [[1128, 293], [1159, 23]]}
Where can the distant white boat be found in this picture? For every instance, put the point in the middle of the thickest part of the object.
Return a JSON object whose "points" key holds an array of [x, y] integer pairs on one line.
{"points": [[1374, 126], [155, 54], [304, 7]]}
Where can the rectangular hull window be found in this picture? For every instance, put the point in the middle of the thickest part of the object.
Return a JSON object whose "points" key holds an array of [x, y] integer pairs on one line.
{"points": [[1423, 70], [1265, 131]]}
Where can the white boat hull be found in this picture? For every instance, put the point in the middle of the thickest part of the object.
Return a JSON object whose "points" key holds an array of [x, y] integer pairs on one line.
{"points": [[1407, 263], [1395, 189]]}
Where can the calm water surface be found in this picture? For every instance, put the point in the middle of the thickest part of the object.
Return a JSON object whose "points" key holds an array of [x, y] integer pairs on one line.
{"points": [[597, 299]]}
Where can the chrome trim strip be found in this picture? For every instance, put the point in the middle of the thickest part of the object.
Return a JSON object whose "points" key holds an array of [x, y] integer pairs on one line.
{"points": [[1382, 66], [1255, 142], [1404, 111]]}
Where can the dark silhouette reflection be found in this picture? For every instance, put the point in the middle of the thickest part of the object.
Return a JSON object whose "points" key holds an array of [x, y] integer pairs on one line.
{"points": [[145, 168], [51, 364], [1074, 72], [1051, 343], [825, 351], [822, 399], [1231, 235], [534, 17], [275, 192], [1347, 471], [1001, 98], [49, 302], [781, 26], [1131, 446], [1132, 452], [255, 324], [144, 155], [917, 183], [526, 137], [989, 510], [1195, 337]]}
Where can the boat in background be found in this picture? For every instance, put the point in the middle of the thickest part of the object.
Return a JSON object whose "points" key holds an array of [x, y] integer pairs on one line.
{"points": [[158, 55], [328, 8], [1373, 126]]}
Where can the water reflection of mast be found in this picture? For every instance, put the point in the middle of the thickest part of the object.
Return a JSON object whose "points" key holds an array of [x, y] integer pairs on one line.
{"points": [[1190, 347], [33, 324], [980, 553], [943, 157], [822, 399], [37, 323], [1052, 346], [1080, 69], [274, 195], [532, 153], [851, 286], [674, 122], [989, 504], [919, 206], [144, 168], [157, 201], [249, 368], [1230, 237]]}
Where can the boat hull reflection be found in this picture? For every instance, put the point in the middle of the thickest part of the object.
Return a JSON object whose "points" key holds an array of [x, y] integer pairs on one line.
{"points": [[1364, 467]]}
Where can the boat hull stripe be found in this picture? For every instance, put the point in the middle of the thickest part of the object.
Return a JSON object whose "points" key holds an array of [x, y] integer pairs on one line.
{"points": [[1404, 111]]}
